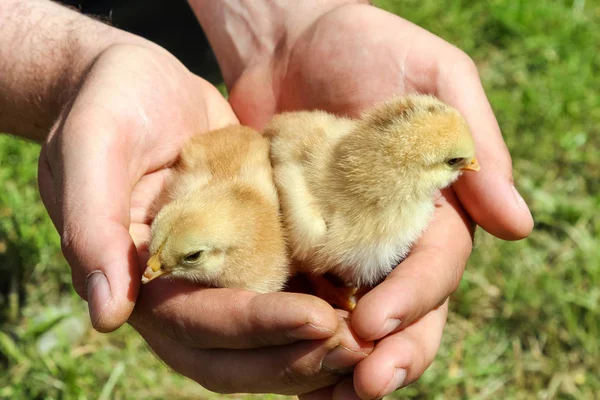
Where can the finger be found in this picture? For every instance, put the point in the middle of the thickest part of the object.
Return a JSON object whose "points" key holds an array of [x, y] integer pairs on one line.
{"points": [[292, 369], [145, 194], [489, 196], [424, 280], [231, 318], [218, 110], [401, 358], [107, 312], [93, 188], [343, 390], [144, 199], [325, 393]]}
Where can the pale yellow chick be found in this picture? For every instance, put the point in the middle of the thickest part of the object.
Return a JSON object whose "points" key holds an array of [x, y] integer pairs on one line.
{"points": [[219, 221], [356, 194]]}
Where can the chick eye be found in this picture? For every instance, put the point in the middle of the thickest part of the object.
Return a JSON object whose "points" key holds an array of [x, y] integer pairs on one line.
{"points": [[192, 257], [453, 161]]}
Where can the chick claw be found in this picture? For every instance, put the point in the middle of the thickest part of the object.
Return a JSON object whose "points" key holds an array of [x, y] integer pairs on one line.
{"points": [[342, 297]]}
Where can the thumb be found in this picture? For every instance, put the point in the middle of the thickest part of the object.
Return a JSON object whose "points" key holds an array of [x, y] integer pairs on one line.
{"points": [[84, 182], [489, 196]]}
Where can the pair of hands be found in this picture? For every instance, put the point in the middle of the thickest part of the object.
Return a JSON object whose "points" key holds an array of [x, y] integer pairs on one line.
{"points": [[108, 155]]}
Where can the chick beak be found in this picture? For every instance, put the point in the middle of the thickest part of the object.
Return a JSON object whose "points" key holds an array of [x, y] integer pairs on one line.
{"points": [[153, 270], [473, 166]]}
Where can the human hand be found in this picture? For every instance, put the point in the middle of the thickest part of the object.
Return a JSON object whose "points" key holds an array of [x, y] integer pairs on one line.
{"points": [[100, 169], [231, 340], [325, 62], [107, 154]]}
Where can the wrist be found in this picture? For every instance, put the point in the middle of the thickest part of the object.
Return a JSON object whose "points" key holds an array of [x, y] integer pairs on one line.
{"points": [[244, 34]]}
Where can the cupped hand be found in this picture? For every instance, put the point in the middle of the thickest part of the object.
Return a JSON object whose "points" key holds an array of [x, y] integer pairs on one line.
{"points": [[346, 60], [233, 341], [103, 164], [108, 153]]}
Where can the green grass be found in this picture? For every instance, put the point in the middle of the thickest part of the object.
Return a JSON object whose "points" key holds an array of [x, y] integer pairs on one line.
{"points": [[525, 321]]}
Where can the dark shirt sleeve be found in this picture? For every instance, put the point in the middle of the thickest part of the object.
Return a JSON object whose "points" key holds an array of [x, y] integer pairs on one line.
{"points": [[170, 24]]}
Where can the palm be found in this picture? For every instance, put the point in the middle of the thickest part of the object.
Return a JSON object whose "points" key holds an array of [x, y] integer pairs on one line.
{"points": [[336, 67]]}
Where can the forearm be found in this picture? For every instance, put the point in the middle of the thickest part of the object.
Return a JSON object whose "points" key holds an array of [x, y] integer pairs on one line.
{"points": [[243, 33], [45, 49]]}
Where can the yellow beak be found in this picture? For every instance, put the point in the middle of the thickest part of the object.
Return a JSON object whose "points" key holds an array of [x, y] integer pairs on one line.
{"points": [[153, 270], [473, 166]]}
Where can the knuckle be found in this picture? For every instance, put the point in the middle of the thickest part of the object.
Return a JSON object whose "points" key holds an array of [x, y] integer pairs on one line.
{"points": [[173, 324], [170, 329], [69, 245], [260, 341], [447, 273], [465, 63], [291, 377], [293, 381], [298, 373], [460, 65], [258, 324], [216, 382], [418, 360], [72, 242], [455, 276]]}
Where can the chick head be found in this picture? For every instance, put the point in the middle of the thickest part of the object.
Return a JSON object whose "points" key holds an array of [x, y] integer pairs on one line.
{"points": [[421, 138], [193, 237]]}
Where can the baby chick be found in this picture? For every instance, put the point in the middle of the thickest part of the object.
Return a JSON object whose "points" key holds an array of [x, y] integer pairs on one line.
{"points": [[220, 222], [356, 194]]}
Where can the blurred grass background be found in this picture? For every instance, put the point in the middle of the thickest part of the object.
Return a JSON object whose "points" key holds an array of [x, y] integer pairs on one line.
{"points": [[525, 322]]}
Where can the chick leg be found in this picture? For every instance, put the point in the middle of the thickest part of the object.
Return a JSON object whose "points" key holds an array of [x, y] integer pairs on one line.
{"points": [[343, 297]]}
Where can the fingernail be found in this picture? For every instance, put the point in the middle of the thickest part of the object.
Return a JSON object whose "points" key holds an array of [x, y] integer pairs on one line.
{"points": [[520, 201], [98, 294], [390, 326], [396, 382], [341, 359], [309, 331]]}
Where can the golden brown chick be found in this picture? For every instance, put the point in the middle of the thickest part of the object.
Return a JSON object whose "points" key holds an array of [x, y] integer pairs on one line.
{"points": [[220, 222], [356, 194]]}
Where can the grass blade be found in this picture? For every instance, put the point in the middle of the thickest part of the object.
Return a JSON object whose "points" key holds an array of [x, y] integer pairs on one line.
{"points": [[112, 381]]}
